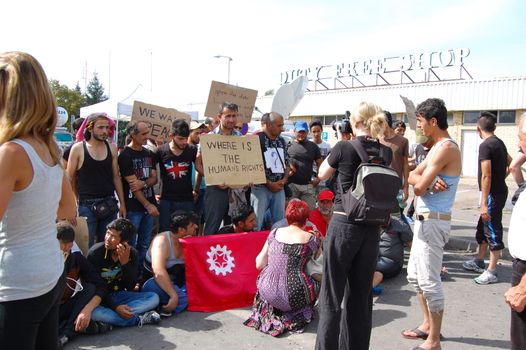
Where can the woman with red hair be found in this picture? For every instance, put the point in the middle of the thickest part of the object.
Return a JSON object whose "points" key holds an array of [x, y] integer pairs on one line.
{"points": [[286, 293]]}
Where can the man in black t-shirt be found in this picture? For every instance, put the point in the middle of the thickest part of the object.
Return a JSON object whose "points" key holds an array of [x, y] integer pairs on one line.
{"points": [[492, 171], [303, 154], [176, 160], [139, 175], [271, 196]]}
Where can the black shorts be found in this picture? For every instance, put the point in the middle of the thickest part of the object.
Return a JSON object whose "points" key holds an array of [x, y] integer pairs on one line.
{"points": [[491, 231]]}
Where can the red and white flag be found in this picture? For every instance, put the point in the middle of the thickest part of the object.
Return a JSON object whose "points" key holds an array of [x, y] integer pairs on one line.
{"points": [[221, 270]]}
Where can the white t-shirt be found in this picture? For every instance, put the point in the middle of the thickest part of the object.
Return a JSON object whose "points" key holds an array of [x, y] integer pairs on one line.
{"points": [[325, 148], [516, 232]]}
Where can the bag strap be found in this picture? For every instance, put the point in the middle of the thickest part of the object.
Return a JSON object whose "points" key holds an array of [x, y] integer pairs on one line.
{"points": [[360, 150]]}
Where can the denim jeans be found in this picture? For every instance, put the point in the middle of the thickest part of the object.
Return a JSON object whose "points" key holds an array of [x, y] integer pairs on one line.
{"points": [[349, 259], [388, 267], [216, 202], [166, 209], [139, 302], [143, 223], [152, 286], [262, 199], [28, 324], [96, 226]]}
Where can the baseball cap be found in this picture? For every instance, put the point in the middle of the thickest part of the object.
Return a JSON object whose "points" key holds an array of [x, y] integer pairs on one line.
{"points": [[326, 195], [196, 125], [301, 125]]}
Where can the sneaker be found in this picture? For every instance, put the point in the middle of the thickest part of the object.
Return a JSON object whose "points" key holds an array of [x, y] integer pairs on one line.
{"points": [[471, 265], [487, 278], [62, 340], [164, 313], [150, 317], [377, 290], [104, 327], [409, 220], [98, 327]]}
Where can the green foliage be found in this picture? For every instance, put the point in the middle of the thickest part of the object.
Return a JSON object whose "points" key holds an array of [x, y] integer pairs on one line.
{"points": [[94, 91], [269, 92], [70, 99]]}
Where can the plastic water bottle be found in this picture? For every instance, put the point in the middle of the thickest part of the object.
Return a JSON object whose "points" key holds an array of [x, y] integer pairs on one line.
{"points": [[400, 198]]}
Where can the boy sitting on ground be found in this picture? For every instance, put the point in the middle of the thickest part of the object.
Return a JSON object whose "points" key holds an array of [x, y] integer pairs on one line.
{"points": [[117, 263]]}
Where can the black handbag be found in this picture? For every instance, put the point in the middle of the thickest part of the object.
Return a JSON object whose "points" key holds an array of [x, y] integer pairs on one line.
{"points": [[104, 208]]}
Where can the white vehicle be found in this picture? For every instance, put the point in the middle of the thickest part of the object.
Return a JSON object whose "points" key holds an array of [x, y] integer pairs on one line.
{"points": [[63, 137]]}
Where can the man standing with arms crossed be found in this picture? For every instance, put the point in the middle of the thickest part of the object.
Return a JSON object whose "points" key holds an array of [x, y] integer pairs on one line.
{"points": [[435, 181], [94, 173], [139, 175], [493, 169]]}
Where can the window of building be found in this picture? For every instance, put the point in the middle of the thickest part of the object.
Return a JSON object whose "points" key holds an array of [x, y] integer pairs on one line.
{"points": [[450, 119], [471, 117], [506, 117]]}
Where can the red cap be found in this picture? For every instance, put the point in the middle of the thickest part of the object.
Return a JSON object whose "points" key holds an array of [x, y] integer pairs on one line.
{"points": [[326, 195]]}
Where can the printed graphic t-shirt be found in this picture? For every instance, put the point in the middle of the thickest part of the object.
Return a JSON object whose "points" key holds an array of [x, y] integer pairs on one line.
{"points": [[138, 163], [176, 172]]}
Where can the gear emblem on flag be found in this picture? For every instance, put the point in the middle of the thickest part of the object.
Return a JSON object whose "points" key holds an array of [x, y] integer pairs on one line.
{"points": [[219, 260]]}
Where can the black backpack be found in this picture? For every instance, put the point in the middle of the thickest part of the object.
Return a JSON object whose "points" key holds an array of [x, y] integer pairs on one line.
{"points": [[372, 196]]}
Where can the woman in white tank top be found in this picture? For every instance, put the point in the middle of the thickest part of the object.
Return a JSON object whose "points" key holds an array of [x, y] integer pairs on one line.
{"points": [[34, 193]]}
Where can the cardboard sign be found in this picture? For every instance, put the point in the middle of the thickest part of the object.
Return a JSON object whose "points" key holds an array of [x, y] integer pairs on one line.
{"points": [[232, 160], [158, 118], [82, 234], [221, 92]]}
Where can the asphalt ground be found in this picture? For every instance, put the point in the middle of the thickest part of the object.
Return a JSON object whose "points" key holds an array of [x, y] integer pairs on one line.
{"points": [[476, 317]]}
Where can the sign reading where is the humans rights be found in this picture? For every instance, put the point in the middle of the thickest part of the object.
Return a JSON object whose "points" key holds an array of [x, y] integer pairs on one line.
{"points": [[232, 160]]}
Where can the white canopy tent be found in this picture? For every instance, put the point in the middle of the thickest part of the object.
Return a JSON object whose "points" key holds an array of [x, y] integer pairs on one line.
{"points": [[121, 109]]}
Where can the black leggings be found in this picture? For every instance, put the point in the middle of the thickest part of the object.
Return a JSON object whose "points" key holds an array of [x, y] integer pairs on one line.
{"points": [[30, 324]]}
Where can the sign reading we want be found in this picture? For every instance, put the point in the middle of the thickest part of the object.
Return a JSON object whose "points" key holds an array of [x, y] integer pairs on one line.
{"points": [[232, 160], [159, 119]]}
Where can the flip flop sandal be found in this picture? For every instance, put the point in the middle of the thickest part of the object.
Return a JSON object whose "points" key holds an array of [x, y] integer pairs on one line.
{"points": [[420, 334]]}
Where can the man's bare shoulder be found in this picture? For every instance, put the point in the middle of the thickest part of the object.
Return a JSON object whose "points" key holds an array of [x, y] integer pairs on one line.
{"points": [[76, 148]]}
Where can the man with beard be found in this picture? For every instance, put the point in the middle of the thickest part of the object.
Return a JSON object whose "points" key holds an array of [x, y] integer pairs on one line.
{"points": [[217, 197], [176, 159], [94, 174], [321, 216]]}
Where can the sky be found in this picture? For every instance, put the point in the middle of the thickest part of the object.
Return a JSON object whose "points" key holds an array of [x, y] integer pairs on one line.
{"points": [[168, 47]]}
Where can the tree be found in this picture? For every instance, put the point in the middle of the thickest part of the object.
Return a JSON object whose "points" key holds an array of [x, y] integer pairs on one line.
{"points": [[94, 91], [70, 99], [269, 92]]}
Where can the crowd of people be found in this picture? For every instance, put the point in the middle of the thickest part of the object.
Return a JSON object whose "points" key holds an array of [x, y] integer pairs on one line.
{"points": [[139, 201]]}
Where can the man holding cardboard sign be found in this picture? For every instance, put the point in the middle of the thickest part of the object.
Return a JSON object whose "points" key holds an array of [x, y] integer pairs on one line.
{"points": [[216, 197]]}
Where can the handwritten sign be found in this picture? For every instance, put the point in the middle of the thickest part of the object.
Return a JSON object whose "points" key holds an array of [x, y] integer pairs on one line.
{"points": [[159, 119], [221, 92], [232, 160]]}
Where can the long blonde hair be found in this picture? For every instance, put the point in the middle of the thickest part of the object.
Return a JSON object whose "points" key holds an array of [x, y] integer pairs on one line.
{"points": [[27, 105], [371, 118]]}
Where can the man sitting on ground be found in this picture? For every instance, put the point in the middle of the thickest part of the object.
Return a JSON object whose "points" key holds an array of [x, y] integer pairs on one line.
{"points": [[321, 216], [394, 238], [165, 263], [83, 292], [117, 262], [243, 218]]}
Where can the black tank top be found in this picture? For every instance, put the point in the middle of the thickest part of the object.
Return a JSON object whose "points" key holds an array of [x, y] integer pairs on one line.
{"points": [[95, 177]]}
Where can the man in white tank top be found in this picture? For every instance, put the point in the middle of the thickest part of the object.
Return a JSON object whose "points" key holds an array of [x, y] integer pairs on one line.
{"points": [[434, 207]]}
